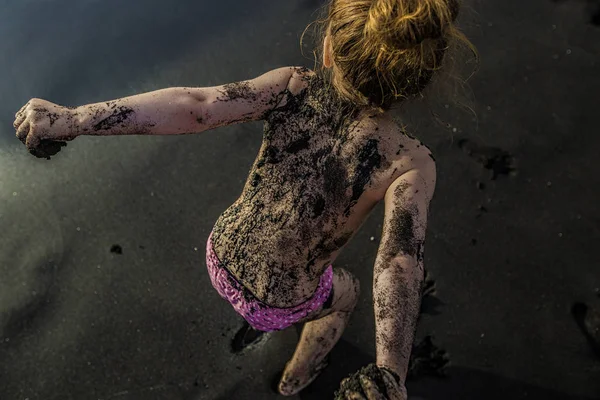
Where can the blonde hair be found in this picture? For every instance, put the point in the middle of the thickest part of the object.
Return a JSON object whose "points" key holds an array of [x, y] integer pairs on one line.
{"points": [[386, 51]]}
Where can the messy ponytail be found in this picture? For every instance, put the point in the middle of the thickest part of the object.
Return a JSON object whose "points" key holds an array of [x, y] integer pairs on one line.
{"points": [[400, 25], [385, 51]]}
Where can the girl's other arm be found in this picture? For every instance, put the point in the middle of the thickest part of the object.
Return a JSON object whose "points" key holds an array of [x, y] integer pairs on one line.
{"points": [[398, 272], [181, 110]]}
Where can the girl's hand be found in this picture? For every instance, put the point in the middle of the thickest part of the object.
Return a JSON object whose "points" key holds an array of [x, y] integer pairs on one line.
{"points": [[395, 390], [43, 127]]}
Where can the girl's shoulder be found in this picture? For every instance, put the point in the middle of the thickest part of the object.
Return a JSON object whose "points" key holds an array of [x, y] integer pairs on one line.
{"points": [[300, 79]]}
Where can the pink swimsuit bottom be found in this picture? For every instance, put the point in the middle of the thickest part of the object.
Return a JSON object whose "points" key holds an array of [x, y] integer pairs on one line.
{"points": [[259, 315]]}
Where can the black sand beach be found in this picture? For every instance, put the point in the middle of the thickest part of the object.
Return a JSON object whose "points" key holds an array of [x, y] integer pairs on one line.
{"points": [[103, 286]]}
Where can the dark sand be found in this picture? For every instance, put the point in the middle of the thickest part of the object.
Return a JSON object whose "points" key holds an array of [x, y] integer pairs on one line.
{"points": [[103, 287]]}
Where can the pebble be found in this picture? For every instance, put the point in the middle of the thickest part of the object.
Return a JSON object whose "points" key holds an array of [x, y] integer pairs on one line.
{"points": [[195, 249], [549, 184], [372, 238], [560, 234]]}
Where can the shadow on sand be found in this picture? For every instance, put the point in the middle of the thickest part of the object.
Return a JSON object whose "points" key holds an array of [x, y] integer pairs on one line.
{"points": [[460, 383]]}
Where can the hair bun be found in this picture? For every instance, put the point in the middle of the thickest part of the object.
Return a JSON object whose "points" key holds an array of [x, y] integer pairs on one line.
{"points": [[402, 24]]}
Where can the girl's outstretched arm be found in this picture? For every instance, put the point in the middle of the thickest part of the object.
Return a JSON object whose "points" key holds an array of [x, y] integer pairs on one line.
{"points": [[398, 272], [181, 110], [40, 124]]}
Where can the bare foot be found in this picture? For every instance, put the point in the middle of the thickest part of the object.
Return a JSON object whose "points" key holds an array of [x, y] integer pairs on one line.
{"points": [[292, 382]]}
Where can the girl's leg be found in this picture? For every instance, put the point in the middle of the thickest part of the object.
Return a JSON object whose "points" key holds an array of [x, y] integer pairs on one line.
{"points": [[321, 334]]}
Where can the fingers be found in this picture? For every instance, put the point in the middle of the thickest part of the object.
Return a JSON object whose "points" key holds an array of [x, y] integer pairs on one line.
{"points": [[392, 386], [19, 120], [22, 132], [354, 395], [20, 116], [21, 109], [370, 389], [389, 380], [32, 141]]}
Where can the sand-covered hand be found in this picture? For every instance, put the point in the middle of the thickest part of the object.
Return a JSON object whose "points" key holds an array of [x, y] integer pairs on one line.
{"points": [[43, 127], [372, 383]]}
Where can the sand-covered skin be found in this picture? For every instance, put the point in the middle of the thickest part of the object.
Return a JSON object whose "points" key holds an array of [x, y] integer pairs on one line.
{"points": [[307, 191], [426, 360], [44, 127], [352, 383]]}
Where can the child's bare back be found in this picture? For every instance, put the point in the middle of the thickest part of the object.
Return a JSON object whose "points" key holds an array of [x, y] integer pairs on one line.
{"points": [[321, 169]]}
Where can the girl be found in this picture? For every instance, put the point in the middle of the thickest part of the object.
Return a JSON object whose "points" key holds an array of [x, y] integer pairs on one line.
{"points": [[330, 153]]}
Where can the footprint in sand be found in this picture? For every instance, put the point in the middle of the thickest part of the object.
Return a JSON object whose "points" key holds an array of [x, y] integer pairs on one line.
{"points": [[498, 161], [588, 319], [247, 338], [427, 359]]}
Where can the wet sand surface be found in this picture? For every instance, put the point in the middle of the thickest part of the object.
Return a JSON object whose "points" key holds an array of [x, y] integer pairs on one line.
{"points": [[103, 286]]}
